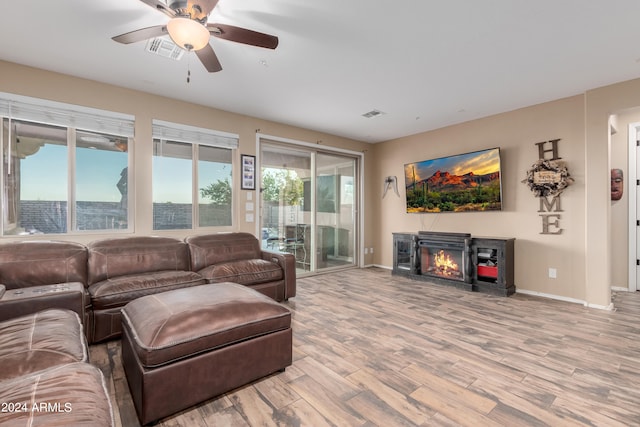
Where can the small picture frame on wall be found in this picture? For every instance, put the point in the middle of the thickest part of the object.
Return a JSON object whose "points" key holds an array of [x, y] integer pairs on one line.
{"points": [[248, 164]]}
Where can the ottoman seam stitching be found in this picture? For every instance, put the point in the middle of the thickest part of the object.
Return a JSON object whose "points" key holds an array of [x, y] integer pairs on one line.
{"points": [[155, 335], [206, 350], [33, 330], [194, 337], [33, 393]]}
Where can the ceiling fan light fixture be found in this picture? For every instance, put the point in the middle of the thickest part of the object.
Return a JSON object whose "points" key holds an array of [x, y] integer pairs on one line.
{"points": [[187, 33]]}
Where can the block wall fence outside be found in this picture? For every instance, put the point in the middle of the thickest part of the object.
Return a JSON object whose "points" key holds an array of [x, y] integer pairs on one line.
{"points": [[50, 217]]}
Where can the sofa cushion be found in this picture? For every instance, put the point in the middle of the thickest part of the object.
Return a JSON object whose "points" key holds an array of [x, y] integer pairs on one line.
{"points": [[212, 249], [42, 262], [39, 341], [175, 325], [68, 395], [110, 258], [247, 272], [118, 291]]}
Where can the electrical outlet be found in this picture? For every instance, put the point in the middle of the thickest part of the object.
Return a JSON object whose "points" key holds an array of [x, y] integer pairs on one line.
{"points": [[371, 250], [553, 273], [366, 251]]}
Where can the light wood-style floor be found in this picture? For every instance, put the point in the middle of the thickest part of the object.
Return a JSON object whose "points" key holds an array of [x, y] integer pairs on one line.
{"points": [[372, 349]]}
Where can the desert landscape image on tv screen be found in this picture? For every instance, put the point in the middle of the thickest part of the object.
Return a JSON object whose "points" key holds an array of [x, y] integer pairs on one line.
{"points": [[461, 183]]}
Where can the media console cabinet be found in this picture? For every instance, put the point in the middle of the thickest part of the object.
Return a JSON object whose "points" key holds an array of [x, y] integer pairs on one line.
{"points": [[482, 264]]}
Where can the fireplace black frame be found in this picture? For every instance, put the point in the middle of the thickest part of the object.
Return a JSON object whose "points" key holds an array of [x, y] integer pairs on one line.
{"points": [[452, 242], [475, 247]]}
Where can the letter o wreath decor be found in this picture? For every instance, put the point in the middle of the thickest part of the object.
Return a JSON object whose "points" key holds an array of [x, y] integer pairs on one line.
{"points": [[548, 178]]}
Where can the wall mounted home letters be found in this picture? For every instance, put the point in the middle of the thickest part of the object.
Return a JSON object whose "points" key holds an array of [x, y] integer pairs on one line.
{"points": [[548, 177]]}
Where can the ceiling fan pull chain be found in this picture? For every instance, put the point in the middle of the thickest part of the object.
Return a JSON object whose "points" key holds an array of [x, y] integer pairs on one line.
{"points": [[188, 67]]}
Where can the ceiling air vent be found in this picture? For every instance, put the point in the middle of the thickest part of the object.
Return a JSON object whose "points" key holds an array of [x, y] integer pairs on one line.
{"points": [[372, 113], [165, 48]]}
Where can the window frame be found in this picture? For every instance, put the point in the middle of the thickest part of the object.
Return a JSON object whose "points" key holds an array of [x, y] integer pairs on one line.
{"points": [[72, 160], [72, 118], [195, 136]]}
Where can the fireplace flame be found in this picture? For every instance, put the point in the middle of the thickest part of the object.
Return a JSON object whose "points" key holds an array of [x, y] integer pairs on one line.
{"points": [[444, 262]]}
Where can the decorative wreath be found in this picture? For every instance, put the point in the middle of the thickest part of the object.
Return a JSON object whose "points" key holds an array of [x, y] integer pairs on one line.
{"points": [[548, 178]]}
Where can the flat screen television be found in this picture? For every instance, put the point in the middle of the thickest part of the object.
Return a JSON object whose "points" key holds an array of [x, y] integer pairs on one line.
{"points": [[461, 183]]}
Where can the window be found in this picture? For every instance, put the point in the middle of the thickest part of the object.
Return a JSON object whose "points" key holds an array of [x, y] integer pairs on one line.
{"points": [[36, 190], [172, 185], [101, 181], [214, 185], [63, 168], [192, 176]]}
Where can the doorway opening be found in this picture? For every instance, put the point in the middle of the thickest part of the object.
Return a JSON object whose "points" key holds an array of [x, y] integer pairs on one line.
{"points": [[634, 210], [309, 204]]}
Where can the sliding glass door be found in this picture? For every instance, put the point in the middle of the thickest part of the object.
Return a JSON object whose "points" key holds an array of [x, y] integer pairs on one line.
{"points": [[334, 210], [308, 205], [285, 223]]}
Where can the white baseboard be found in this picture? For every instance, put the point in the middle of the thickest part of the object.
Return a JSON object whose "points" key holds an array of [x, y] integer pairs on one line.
{"points": [[566, 299], [620, 289], [609, 307]]}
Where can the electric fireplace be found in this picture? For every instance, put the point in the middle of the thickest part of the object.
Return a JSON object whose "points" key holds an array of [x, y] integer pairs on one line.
{"points": [[445, 255], [482, 264]]}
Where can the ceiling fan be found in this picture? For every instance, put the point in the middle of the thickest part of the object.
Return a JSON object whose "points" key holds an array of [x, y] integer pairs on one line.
{"points": [[188, 28]]}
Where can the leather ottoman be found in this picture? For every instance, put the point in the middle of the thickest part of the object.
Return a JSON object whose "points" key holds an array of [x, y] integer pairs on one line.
{"points": [[185, 346]]}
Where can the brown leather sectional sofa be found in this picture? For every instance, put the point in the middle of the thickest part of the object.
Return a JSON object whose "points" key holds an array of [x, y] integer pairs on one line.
{"points": [[45, 377], [98, 279], [237, 257]]}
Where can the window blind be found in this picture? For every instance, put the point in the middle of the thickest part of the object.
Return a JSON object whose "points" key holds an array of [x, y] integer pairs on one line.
{"points": [[193, 135], [61, 114]]}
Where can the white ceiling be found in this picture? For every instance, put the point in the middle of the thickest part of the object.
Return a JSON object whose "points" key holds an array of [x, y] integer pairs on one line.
{"points": [[424, 63]]}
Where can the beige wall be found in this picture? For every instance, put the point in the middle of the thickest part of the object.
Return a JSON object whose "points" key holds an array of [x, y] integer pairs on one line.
{"points": [[37, 83], [516, 133], [582, 254]]}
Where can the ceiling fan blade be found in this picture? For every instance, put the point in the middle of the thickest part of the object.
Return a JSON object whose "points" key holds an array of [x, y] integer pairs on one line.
{"points": [[205, 5], [243, 35], [209, 59], [141, 34], [161, 6]]}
